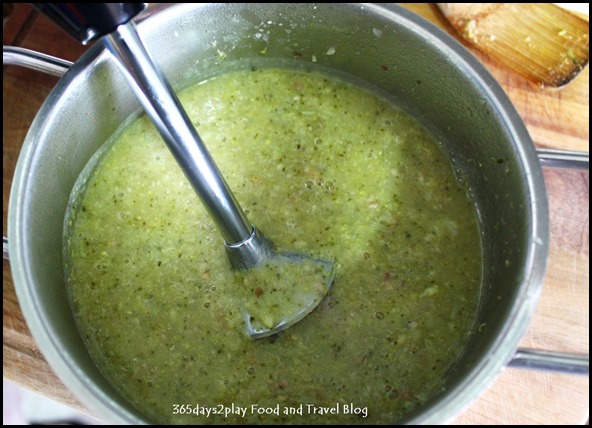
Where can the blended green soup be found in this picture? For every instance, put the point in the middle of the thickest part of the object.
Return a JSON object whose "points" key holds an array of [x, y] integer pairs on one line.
{"points": [[323, 168]]}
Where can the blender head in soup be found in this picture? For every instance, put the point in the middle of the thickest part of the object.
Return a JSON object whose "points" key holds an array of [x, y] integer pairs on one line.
{"points": [[280, 289]]}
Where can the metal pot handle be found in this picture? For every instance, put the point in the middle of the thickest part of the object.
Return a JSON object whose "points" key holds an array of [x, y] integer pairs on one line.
{"points": [[563, 159], [562, 362], [36, 61], [523, 358]]}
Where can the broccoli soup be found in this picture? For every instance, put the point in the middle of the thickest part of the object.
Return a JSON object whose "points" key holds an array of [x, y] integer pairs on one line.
{"points": [[322, 167]]}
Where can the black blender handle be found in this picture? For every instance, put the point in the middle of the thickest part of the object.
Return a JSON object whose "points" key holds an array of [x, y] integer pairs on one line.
{"points": [[89, 21]]}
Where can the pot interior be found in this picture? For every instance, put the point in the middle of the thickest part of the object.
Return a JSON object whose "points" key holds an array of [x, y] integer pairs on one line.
{"points": [[385, 47]]}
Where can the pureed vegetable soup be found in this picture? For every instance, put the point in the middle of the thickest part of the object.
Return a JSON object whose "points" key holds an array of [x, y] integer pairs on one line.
{"points": [[322, 167]]}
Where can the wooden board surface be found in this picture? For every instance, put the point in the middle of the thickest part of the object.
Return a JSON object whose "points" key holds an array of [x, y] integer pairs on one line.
{"points": [[555, 119]]}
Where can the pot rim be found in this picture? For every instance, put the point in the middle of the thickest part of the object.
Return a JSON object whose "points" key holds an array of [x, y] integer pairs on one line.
{"points": [[455, 400]]}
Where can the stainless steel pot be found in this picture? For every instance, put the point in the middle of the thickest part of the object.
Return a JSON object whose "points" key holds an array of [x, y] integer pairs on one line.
{"points": [[395, 51]]}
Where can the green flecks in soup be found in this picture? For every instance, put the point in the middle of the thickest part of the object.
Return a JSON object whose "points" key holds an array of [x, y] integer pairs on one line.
{"points": [[322, 168]]}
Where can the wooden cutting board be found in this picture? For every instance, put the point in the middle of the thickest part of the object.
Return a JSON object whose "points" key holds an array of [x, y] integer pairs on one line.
{"points": [[555, 119]]}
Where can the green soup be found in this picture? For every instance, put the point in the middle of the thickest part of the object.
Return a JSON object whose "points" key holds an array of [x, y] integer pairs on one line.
{"points": [[322, 167]]}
